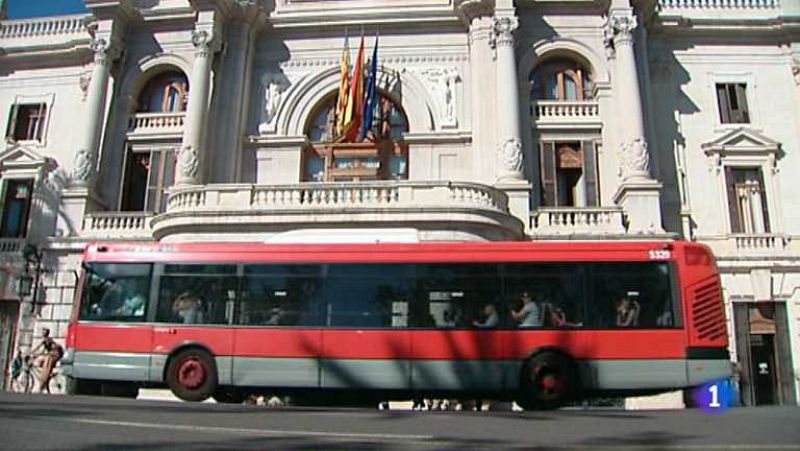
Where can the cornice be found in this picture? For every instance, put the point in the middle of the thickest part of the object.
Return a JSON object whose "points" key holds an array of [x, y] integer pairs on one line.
{"points": [[384, 60]]}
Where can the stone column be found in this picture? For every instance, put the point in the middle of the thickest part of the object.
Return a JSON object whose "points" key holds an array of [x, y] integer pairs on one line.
{"points": [[478, 16], [638, 193], [192, 153], [509, 144], [83, 174]]}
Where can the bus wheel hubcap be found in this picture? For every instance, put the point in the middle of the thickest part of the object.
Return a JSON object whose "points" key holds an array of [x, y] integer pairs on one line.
{"points": [[191, 373]]}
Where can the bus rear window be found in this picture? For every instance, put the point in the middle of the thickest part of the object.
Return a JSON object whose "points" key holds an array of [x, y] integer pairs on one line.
{"points": [[116, 292]]}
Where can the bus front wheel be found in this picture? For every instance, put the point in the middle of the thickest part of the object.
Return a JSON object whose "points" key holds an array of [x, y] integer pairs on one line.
{"points": [[548, 380], [192, 375]]}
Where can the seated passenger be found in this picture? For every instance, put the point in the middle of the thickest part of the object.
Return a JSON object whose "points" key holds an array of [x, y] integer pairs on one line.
{"points": [[529, 315], [188, 307], [627, 312], [491, 320]]}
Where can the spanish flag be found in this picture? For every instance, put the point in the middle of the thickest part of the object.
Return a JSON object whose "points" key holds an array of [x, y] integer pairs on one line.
{"points": [[355, 101], [344, 88]]}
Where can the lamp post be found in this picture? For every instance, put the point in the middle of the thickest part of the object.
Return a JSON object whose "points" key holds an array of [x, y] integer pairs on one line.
{"points": [[27, 284]]}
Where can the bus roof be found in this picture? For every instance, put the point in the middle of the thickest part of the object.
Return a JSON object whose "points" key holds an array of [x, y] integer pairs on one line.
{"points": [[230, 252]]}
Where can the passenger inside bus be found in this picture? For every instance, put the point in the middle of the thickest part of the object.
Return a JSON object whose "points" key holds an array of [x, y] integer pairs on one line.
{"points": [[189, 307], [491, 318], [529, 315], [627, 312]]}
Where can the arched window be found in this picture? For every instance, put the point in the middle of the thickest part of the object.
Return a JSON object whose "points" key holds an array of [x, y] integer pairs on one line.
{"points": [[377, 155], [560, 79], [166, 92]]}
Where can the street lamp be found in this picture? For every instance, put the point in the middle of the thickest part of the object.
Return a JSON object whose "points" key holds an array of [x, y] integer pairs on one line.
{"points": [[27, 283]]}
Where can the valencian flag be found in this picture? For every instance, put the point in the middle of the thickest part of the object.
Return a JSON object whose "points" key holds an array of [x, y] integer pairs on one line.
{"points": [[371, 95], [355, 105], [344, 88]]}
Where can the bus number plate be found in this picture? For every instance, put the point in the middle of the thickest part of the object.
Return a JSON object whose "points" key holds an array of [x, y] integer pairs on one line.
{"points": [[660, 254]]}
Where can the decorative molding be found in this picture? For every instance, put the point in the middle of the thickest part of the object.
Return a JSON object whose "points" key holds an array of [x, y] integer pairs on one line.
{"points": [[442, 82], [634, 160], [396, 60]]}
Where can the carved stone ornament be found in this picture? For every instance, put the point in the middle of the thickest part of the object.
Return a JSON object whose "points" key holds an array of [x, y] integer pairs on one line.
{"points": [[274, 88], [83, 167], [509, 155], [503, 28], [204, 42], [441, 82], [83, 82], [189, 164], [619, 28], [796, 72], [634, 159], [103, 51]]}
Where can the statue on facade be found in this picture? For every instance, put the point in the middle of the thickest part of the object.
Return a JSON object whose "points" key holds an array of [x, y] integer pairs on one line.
{"points": [[83, 168]]}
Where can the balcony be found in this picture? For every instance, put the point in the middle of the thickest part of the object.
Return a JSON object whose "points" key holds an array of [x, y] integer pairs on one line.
{"points": [[155, 125], [565, 114], [750, 246], [11, 245], [44, 33], [589, 222], [118, 225], [438, 210], [710, 13]]}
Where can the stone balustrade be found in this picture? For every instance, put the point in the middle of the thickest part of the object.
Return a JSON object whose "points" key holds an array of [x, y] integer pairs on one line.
{"points": [[719, 4], [156, 123], [122, 224], [335, 196], [43, 26], [264, 211], [760, 242], [556, 112], [585, 221], [737, 246], [11, 245]]}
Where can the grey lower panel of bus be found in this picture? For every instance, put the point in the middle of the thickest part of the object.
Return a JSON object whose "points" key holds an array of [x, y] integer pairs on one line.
{"points": [[110, 366], [488, 375]]}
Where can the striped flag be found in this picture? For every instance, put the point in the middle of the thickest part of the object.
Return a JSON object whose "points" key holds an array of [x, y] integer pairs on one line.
{"points": [[355, 105], [371, 95], [344, 88]]}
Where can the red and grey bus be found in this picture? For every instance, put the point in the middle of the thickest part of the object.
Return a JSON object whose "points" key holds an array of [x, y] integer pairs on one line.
{"points": [[397, 321]]}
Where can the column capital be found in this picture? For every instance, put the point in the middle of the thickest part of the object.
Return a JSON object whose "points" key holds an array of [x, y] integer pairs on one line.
{"points": [[474, 9], [205, 42], [503, 28], [105, 50], [619, 26]]}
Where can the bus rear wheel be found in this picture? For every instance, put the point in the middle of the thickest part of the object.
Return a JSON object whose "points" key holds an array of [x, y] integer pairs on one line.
{"points": [[548, 380], [192, 375]]}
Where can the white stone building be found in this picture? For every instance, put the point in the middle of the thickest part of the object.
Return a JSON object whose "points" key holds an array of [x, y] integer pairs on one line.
{"points": [[178, 120]]}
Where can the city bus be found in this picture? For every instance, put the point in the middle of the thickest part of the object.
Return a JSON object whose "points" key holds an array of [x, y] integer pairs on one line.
{"points": [[539, 323]]}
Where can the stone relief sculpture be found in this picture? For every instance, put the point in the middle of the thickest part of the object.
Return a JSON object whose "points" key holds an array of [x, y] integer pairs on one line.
{"points": [[510, 154], [274, 85], [441, 82], [83, 167], [634, 160], [189, 164]]}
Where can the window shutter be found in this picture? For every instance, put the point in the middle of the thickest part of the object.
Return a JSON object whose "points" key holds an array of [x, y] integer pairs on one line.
{"points": [[12, 121], [590, 173], [548, 162], [741, 102], [41, 121], [763, 193], [724, 105], [733, 201]]}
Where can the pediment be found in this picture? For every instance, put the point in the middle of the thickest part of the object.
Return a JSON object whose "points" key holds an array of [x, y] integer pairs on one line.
{"points": [[742, 140], [20, 156]]}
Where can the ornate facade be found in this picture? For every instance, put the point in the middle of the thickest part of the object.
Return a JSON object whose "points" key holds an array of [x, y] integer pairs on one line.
{"points": [[178, 120]]}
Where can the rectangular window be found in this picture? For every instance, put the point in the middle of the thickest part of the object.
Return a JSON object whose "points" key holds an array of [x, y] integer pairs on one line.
{"points": [[568, 174], [281, 295], [747, 200], [26, 122], [632, 295], [197, 294], [16, 208], [732, 103], [371, 296], [459, 296], [116, 292], [147, 175]]}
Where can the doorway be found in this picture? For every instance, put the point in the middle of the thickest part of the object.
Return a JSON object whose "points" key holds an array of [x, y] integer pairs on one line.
{"points": [[762, 344], [9, 311]]}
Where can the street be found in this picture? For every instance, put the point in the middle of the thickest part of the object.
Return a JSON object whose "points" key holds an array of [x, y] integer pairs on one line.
{"points": [[87, 423]]}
